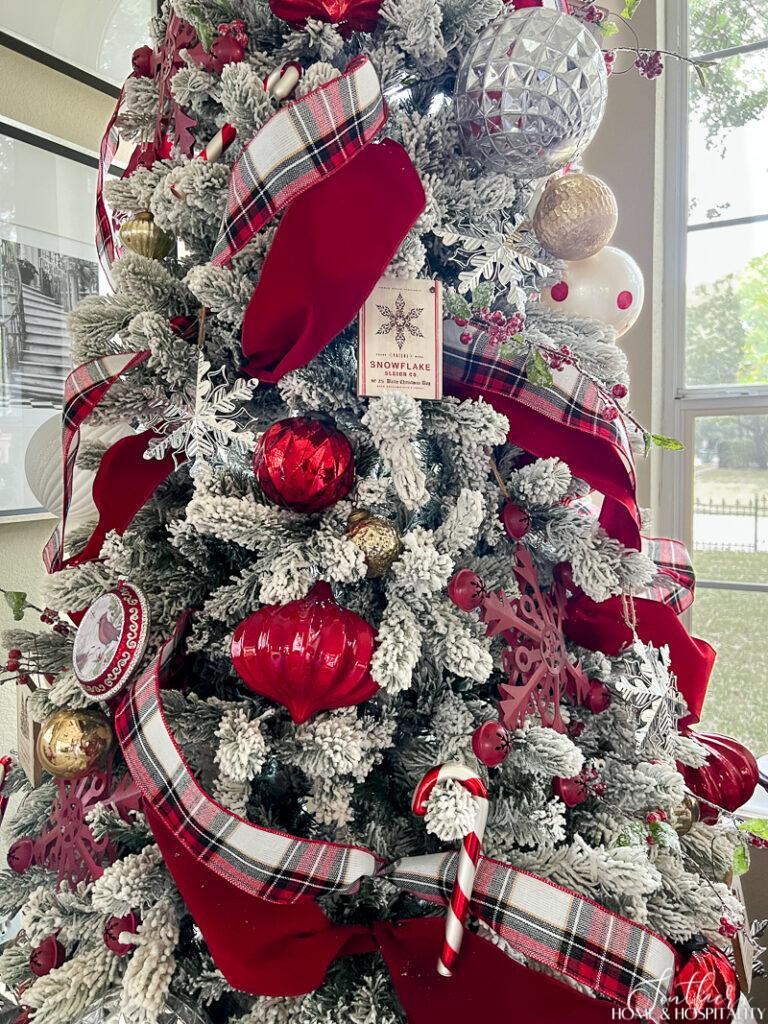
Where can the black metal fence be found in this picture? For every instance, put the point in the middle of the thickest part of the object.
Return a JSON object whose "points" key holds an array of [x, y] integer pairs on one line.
{"points": [[751, 515]]}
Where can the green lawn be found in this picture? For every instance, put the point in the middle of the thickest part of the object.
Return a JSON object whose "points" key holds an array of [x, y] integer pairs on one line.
{"points": [[712, 484], [734, 623]]}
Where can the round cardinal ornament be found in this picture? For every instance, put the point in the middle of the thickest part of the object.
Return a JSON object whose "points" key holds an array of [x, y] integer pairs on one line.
{"points": [[309, 655], [608, 287], [110, 641], [727, 780], [304, 464], [705, 987]]}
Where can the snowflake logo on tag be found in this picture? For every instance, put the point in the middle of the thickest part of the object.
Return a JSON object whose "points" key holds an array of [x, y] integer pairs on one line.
{"points": [[400, 321]]}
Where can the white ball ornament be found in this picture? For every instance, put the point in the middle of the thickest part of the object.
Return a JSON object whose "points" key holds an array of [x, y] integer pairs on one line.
{"points": [[44, 471], [530, 92], [607, 287]]}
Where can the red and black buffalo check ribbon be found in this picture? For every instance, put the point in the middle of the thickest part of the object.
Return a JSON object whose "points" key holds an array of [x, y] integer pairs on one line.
{"points": [[553, 926], [676, 582], [84, 388], [300, 145]]}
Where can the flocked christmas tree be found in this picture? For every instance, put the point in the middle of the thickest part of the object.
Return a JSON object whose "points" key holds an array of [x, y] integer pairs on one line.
{"points": [[338, 579]]}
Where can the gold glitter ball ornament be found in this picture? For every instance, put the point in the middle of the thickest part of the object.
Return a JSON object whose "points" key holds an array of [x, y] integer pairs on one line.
{"points": [[72, 742], [140, 234], [576, 216], [683, 817], [377, 538]]}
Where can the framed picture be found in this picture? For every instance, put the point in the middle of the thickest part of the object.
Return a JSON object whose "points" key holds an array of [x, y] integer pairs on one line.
{"points": [[48, 263]]}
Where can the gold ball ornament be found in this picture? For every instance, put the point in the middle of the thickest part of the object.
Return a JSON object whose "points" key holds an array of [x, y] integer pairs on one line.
{"points": [[140, 234], [683, 817], [377, 538], [72, 742], [576, 216]]}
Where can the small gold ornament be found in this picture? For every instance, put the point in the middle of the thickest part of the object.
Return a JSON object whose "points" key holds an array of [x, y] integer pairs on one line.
{"points": [[377, 538], [576, 216], [73, 742], [683, 817], [140, 234]]}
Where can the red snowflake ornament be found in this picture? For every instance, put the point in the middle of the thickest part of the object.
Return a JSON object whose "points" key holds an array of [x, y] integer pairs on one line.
{"points": [[539, 667], [67, 844]]}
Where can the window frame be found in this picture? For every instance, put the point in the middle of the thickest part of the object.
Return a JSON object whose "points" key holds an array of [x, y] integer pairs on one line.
{"points": [[682, 405]]}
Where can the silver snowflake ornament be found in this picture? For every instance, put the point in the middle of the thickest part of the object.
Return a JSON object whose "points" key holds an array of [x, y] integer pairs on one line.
{"points": [[648, 687], [399, 320], [202, 423]]}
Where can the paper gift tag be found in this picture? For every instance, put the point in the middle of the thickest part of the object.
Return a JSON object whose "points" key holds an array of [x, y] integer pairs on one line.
{"points": [[401, 339], [27, 730]]}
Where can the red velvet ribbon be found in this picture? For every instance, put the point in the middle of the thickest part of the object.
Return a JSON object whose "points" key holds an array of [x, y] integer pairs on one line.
{"points": [[286, 950], [602, 627], [332, 245]]}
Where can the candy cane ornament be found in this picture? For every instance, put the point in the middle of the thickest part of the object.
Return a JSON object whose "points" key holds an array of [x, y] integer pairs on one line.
{"points": [[458, 908]]}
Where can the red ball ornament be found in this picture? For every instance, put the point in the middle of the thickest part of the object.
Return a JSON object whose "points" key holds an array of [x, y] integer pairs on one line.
{"points": [[21, 855], [466, 590], [706, 987], [571, 791], [309, 655], [350, 15], [490, 744], [728, 779], [599, 697], [304, 464], [114, 927], [143, 62], [516, 520], [46, 957]]}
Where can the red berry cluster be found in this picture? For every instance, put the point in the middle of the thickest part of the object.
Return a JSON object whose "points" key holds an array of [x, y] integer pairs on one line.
{"points": [[610, 59], [236, 29], [593, 14], [497, 325], [649, 65], [654, 818], [559, 358], [593, 781], [728, 928]]}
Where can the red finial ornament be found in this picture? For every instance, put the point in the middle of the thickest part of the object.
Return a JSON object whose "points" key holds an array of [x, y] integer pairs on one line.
{"points": [[309, 655]]}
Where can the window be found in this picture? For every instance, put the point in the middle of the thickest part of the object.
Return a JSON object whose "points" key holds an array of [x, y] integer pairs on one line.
{"points": [[715, 362], [93, 36]]}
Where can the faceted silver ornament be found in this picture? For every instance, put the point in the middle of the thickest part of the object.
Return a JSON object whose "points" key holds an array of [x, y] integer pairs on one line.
{"points": [[531, 92], [107, 1011]]}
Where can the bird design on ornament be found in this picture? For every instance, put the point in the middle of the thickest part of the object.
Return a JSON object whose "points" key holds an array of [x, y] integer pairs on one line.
{"points": [[400, 321]]}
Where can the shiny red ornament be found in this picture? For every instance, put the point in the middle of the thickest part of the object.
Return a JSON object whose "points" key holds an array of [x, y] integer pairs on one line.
{"points": [[728, 779], [705, 988], [46, 957], [309, 655], [350, 15], [571, 791], [143, 62], [304, 464], [516, 520], [490, 744], [113, 929], [466, 590], [21, 855]]}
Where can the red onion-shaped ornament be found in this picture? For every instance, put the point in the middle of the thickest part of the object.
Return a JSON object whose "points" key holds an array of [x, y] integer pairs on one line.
{"points": [[46, 957], [354, 15], [309, 655], [728, 779], [304, 464], [706, 987]]}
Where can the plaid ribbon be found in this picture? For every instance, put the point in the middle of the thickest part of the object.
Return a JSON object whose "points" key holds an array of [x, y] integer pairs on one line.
{"points": [[84, 388], [298, 147], [553, 926], [106, 246], [676, 582]]}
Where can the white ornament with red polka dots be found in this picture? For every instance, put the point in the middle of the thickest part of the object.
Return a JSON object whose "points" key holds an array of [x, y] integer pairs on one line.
{"points": [[608, 287]]}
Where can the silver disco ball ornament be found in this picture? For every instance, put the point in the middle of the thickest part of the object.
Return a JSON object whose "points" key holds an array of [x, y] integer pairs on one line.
{"points": [[530, 92], [175, 1011]]}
